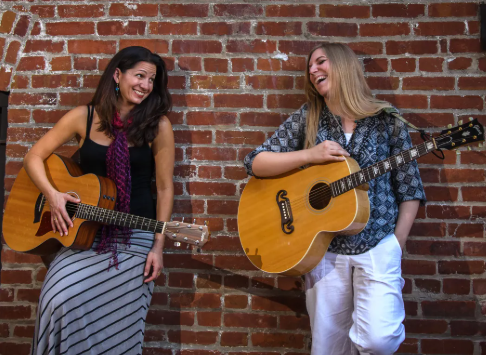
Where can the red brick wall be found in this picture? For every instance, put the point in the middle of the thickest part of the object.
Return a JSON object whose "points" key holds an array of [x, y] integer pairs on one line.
{"points": [[236, 71]]}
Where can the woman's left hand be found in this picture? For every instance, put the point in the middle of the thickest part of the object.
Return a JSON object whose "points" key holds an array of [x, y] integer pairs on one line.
{"points": [[153, 264]]}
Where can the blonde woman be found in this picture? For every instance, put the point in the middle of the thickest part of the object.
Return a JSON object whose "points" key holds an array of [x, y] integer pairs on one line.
{"points": [[354, 296]]}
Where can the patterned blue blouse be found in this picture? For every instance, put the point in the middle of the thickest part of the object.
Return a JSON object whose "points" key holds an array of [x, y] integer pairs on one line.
{"points": [[371, 142]]}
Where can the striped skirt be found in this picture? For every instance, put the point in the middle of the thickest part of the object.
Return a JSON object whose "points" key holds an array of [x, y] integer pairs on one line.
{"points": [[84, 308]]}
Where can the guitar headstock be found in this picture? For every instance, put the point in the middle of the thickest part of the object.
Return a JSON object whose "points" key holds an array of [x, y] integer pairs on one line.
{"points": [[194, 234], [467, 133]]}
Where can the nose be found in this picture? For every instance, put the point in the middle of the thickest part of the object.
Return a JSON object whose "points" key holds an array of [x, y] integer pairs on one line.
{"points": [[144, 84], [312, 69]]}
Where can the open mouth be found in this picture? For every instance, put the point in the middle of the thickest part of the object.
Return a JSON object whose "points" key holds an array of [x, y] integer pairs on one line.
{"points": [[139, 93], [320, 79]]}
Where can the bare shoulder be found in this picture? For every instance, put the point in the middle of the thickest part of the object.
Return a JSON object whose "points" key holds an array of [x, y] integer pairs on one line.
{"points": [[165, 135], [75, 120]]}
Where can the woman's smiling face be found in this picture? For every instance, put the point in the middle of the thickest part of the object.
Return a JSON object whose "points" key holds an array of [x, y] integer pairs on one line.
{"points": [[319, 71], [136, 83]]}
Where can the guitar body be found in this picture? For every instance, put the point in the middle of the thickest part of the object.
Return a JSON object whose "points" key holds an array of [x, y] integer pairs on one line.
{"points": [[27, 220], [262, 236]]}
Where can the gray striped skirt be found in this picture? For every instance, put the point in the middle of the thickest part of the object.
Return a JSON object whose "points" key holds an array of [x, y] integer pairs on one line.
{"points": [[84, 308]]}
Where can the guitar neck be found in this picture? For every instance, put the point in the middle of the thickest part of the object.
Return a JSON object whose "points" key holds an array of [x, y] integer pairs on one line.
{"points": [[371, 172], [121, 219]]}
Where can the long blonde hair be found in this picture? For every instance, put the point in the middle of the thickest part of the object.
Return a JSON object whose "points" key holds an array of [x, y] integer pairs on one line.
{"points": [[349, 93]]}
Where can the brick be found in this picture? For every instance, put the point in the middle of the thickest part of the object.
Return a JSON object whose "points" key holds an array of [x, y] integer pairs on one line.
{"points": [[428, 83], [154, 45], [425, 247], [183, 10], [294, 64], [479, 286], [16, 150], [190, 63], [154, 335], [75, 99], [31, 63], [195, 137], [236, 282], [405, 101], [192, 337], [210, 188], [279, 28], [425, 326], [238, 10], [439, 28], [251, 46], [441, 193], [209, 319], [470, 193], [448, 212], [18, 116], [428, 229], [398, 10], [203, 153], [249, 320], [285, 340], [270, 82], [32, 99], [210, 118], [28, 295], [15, 312], [455, 9], [460, 63], [456, 102], [236, 301], [431, 64], [55, 81], [239, 137], [18, 82], [429, 175], [472, 83], [225, 28], [474, 249], [467, 328], [473, 157], [142, 10], [216, 65], [70, 28], [222, 206], [80, 11], [447, 346], [446, 309], [8, 19], [332, 29], [233, 262], [344, 11], [22, 26], [293, 101], [43, 11], [209, 281], [238, 100], [163, 317], [14, 348], [12, 52], [428, 285], [461, 267], [366, 48], [466, 230], [36, 29], [269, 64], [296, 47], [4, 330], [425, 120], [191, 100], [195, 46], [118, 28], [278, 303], [5, 78], [482, 64], [375, 65], [92, 47], [403, 65], [382, 83], [242, 64], [290, 11], [234, 339], [466, 45], [84, 63], [6, 294], [411, 47], [384, 29], [456, 286], [188, 206], [418, 267], [44, 46], [195, 300], [170, 28]]}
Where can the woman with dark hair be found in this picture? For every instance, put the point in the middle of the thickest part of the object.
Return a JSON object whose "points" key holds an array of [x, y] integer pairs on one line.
{"points": [[354, 295], [96, 301]]}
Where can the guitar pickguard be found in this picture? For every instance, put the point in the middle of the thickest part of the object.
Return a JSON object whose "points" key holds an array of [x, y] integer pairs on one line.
{"points": [[38, 208], [45, 225]]}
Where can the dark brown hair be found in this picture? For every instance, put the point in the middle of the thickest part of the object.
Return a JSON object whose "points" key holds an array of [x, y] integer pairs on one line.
{"points": [[147, 114]]}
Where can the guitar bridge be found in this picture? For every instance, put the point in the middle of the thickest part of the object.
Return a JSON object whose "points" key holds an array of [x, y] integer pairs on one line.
{"points": [[286, 217]]}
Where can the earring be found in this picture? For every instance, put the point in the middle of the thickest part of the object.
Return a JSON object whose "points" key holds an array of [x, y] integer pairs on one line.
{"points": [[117, 89]]}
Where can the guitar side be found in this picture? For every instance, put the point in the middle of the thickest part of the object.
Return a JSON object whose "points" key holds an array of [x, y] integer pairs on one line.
{"points": [[264, 240], [36, 236]]}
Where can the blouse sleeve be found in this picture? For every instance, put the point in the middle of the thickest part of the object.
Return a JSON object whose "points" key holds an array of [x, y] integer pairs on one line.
{"points": [[407, 184], [288, 137]]}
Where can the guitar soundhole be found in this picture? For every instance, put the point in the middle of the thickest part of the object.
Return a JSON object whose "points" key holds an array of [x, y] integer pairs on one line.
{"points": [[319, 196]]}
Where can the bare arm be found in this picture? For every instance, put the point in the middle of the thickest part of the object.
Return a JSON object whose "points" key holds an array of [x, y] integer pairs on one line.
{"points": [[164, 152], [406, 215], [69, 125], [268, 164]]}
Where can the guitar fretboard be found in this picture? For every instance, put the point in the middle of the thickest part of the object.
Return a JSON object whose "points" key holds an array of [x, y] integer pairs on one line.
{"points": [[105, 216], [361, 177]]}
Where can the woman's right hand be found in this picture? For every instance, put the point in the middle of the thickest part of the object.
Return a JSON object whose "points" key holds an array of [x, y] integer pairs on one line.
{"points": [[59, 217], [326, 151]]}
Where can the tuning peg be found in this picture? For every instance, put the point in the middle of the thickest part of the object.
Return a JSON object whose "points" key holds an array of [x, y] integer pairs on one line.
{"points": [[449, 126], [459, 122], [480, 145], [194, 221], [458, 152], [177, 244], [205, 223], [468, 147], [470, 118], [182, 219]]}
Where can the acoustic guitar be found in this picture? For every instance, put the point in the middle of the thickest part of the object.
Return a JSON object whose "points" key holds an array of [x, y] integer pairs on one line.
{"points": [[287, 222], [27, 220]]}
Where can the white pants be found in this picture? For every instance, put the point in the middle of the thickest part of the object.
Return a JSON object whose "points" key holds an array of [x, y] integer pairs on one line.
{"points": [[355, 302]]}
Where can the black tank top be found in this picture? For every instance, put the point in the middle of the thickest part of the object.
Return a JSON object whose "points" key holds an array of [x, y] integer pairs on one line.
{"points": [[92, 158]]}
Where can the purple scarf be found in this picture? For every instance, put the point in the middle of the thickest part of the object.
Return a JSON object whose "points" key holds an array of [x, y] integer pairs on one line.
{"points": [[118, 170]]}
